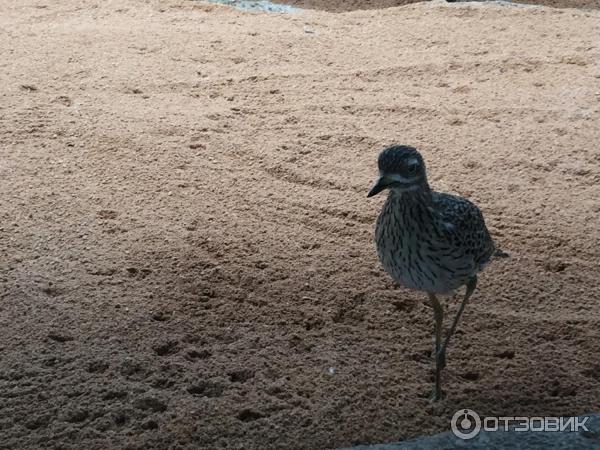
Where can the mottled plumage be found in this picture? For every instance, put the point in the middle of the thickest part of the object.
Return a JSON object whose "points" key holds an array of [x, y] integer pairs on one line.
{"points": [[431, 241], [427, 240]]}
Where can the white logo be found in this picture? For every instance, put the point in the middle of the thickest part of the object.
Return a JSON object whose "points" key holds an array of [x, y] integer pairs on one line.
{"points": [[466, 424]]}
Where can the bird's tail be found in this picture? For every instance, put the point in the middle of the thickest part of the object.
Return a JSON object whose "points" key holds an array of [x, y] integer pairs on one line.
{"points": [[500, 254]]}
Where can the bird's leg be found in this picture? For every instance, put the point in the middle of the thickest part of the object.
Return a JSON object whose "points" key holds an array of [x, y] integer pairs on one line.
{"points": [[471, 284], [438, 312]]}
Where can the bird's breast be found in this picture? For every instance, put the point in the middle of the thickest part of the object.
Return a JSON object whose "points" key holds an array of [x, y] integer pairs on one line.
{"points": [[412, 250]]}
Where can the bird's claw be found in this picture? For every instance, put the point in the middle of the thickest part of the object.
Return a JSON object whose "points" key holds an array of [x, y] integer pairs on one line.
{"points": [[435, 396]]}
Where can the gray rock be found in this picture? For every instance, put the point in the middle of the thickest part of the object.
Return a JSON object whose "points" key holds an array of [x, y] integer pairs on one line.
{"points": [[258, 5], [504, 440]]}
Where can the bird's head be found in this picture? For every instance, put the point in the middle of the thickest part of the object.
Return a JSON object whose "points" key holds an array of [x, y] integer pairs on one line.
{"points": [[402, 169]]}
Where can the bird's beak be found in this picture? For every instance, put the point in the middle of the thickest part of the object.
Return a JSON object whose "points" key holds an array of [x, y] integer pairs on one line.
{"points": [[380, 185]]}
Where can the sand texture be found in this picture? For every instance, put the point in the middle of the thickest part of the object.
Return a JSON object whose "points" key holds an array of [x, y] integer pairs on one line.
{"points": [[186, 255]]}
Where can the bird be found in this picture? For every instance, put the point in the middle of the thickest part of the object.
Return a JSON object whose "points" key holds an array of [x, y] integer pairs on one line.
{"points": [[429, 241]]}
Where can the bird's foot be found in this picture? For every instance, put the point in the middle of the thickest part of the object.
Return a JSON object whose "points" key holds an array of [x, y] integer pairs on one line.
{"points": [[436, 396]]}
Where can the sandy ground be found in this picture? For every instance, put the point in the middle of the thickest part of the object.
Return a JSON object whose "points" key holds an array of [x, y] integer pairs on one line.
{"points": [[186, 243]]}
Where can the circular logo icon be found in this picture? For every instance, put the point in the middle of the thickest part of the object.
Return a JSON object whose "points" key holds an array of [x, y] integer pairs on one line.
{"points": [[465, 424]]}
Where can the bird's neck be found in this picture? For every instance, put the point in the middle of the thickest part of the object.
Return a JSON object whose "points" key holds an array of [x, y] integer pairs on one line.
{"points": [[419, 196], [408, 210]]}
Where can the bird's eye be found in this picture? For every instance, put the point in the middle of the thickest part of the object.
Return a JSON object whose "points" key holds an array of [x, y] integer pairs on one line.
{"points": [[413, 168]]}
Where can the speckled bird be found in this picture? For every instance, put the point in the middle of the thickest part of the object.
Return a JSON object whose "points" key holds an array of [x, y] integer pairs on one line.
{"points": [[429, 241]]}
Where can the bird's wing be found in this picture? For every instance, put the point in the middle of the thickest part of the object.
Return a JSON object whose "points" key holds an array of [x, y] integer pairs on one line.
{"points": [[463, 224]]}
